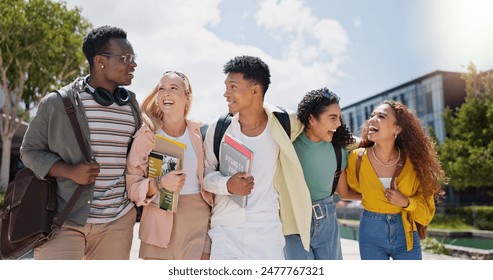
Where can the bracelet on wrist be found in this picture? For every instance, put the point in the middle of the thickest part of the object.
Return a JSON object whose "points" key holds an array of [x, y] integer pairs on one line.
{"points": [[157, 183]]}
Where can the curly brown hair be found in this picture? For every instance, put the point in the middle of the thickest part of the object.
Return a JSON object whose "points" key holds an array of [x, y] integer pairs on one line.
{"points": [[418, 146], [313, 104]]}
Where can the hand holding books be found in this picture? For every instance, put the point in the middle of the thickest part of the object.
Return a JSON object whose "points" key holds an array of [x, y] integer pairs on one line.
{"points": [[241, 184], [172, 181], [166, 164]]}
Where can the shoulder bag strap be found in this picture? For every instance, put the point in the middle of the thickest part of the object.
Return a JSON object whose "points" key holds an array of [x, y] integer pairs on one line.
{"points": [[398, 169], [337, 174], [361, 152], [70, 111]]}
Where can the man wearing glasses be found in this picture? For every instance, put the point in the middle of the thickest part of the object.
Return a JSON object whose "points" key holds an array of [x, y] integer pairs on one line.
{"points": [[100, 225]]}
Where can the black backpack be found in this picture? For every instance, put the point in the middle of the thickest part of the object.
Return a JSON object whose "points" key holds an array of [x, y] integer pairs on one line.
{"points": [[283, 117]]}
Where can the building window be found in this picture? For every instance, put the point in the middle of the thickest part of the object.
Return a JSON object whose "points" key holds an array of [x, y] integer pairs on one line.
{"points": [[351, 122], [429, 102], [420, 108], [403, 99], [358, 119]]}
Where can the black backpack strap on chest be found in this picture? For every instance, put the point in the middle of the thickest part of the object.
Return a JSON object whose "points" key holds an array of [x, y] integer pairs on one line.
{"points": [[337, 174], [221, 126], [225, 120]]}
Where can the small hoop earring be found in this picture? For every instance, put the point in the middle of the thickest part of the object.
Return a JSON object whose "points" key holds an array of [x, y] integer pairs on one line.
{"points": [[395, 134]]}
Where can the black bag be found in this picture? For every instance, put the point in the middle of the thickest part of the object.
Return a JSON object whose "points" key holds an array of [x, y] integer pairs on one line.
{"points": [[27, 216]]}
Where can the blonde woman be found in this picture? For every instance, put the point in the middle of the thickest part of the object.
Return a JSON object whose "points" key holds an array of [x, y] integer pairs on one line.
{"points": [[167, 235]]}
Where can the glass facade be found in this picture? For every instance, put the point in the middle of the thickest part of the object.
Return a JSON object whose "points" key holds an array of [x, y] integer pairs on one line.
{"points": [[424, 95]]}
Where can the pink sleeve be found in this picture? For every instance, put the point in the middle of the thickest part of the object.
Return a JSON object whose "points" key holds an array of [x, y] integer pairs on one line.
{"points": [[137, 164]]}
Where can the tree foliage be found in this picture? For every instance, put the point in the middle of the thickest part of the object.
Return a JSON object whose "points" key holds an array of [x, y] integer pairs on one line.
{"points": [[40, 50], [467, 152]]}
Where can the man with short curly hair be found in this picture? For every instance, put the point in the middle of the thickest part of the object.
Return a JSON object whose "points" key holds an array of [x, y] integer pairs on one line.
{"points": [[278, 200]]}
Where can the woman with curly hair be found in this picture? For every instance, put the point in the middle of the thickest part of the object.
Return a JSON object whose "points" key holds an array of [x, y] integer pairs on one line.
{"points": [[324, 132], [394, 136], [165, 235]]}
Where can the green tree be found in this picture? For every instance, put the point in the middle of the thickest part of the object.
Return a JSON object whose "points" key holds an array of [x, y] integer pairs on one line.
{"points": [[467, 152], [40, 50]]}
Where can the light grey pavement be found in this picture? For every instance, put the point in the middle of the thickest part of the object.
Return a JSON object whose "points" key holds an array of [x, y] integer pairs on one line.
{"points": [[350, 249]]}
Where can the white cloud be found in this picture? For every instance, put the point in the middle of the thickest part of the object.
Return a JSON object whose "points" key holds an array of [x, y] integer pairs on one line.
{"points": [[285, 15], [313, 49], [176, 35], [331, 36]]}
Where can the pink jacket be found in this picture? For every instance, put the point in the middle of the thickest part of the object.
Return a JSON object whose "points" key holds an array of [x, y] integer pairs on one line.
{"points": [[155, 224]]}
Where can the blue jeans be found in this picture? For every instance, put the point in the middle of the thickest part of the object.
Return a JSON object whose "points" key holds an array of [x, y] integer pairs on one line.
{"points": [[381, 237], [325, 242]]}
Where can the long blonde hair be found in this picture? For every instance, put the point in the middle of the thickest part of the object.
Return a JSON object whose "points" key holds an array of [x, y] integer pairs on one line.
{"points": [[151, 113]]}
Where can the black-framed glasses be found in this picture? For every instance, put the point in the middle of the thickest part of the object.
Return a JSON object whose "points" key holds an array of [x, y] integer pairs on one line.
{"points": [[128, 58], [179, 74]]}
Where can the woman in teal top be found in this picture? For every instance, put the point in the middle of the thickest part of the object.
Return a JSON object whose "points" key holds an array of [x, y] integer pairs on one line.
{"points": [[320, 113]]}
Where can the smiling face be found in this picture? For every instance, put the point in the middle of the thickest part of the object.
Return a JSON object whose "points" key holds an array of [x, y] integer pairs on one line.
{"points": [[323, 127], [240, 93], [115, 72], [382, 124], [172, 97]]}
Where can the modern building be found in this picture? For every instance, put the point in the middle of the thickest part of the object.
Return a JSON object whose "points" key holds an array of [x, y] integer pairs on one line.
{"points": [[428, 96]]}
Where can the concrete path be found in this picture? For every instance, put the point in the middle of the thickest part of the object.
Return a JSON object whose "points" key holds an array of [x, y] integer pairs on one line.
{"points": [[350, 249]]}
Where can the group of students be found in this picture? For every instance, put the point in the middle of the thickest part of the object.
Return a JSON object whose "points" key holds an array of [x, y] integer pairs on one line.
{"points": [[290, 212]]}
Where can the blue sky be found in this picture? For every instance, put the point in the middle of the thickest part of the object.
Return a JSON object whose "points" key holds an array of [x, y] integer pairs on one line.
{"points": [[357, 48]]}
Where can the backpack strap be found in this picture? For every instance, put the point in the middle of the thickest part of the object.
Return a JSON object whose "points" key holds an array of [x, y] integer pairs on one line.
{"points": [[361, 152], [221, 126], [225, 120], [337, 174], [203, 131], [283, 118]]}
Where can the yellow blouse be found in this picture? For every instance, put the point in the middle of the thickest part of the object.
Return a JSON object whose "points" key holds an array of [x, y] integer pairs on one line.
{"points": [[421, 209]]}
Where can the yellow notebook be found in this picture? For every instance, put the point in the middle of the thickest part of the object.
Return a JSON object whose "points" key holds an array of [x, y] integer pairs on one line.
{"points": [[167, 155]]}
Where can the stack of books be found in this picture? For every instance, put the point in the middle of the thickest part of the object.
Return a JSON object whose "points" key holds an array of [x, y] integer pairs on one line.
{"points": [[235, 157], [167, 155]]}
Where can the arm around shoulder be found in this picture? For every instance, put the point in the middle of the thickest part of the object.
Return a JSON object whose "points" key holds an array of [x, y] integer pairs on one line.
{"points": [[344, 191]]}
